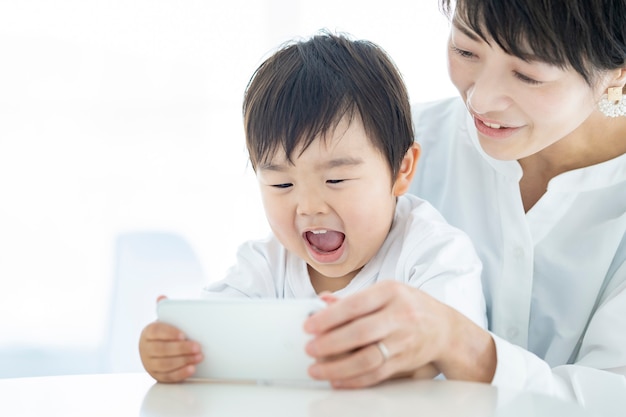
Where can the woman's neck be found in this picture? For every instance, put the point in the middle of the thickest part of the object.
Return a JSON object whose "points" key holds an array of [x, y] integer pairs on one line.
{"points": [[598, 140]]}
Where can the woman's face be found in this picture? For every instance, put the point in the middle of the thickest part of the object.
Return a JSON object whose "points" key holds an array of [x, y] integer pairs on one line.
{"points": [[519, 107]]}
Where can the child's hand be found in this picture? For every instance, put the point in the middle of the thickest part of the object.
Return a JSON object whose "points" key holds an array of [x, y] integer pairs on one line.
{"points": [[166, 354]]}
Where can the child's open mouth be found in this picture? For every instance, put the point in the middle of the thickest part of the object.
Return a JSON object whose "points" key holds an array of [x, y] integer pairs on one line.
{"points": [[325, 244]]}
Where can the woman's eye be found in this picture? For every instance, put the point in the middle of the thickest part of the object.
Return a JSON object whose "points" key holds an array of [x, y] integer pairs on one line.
{"points": [[284, 185], [526, 79], [461, 52], [334, 181]]}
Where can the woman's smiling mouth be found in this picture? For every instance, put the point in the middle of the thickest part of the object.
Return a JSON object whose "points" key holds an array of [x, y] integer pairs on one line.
{"points": [[494, 130]]}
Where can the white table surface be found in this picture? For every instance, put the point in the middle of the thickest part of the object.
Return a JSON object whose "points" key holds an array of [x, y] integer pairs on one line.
{"points": [[138, 394]]}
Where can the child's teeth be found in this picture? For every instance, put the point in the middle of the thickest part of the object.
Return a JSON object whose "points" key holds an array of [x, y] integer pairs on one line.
{"points": [[492, 125], [318, 232]]}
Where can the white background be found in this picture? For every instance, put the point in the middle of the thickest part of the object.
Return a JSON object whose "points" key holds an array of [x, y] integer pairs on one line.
{"points": [[125, 115]]}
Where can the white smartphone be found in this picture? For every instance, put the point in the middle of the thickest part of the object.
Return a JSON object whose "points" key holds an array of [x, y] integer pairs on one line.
{"points": [[243, 339]]}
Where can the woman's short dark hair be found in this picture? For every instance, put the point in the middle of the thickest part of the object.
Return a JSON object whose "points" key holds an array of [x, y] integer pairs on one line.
{"points": [[306, 88], [586, 35]]}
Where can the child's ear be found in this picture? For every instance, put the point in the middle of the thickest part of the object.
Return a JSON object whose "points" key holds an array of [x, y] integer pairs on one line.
{"points": [[407, 170]]}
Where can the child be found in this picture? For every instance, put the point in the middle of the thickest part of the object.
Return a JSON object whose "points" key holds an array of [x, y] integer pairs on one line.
{"points": [[329, 133]]}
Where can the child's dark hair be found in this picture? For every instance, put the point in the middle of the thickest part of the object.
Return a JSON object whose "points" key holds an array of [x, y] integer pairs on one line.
{"points": [[307, 87], [586, 35]]}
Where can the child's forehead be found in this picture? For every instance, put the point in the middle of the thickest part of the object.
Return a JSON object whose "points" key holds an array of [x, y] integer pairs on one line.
{"points": [[346, 134], [343, 144]]}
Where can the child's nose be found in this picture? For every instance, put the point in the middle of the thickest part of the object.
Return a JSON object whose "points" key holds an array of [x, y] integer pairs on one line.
{"points": [[311, 202]]}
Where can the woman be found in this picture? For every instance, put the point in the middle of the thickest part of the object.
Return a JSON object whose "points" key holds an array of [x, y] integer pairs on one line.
{"points": [[531, 163]]}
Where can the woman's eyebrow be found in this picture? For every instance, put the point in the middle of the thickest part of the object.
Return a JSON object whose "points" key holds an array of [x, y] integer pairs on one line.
{"points": [[525, 55], [465, 30]]}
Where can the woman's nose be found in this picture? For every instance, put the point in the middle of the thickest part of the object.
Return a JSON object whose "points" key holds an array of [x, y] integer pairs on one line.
{"points": [[487, 94]]}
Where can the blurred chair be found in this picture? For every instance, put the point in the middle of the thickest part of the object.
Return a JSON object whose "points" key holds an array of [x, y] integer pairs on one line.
{"points": [[36, 360], [147, 264]]}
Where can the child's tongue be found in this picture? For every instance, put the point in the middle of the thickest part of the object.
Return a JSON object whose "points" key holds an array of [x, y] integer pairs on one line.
{"points": [[325, 242]]}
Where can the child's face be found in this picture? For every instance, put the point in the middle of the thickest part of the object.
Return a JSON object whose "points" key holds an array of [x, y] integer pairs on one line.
{"points": [[333, 206]]}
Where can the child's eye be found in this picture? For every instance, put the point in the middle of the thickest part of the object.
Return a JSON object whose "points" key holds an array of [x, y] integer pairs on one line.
{"points": [[526, 79], [463, 53], [285, 185], [334, 181]]}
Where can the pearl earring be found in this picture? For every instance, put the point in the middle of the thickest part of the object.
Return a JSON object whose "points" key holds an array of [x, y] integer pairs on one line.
{"points": [[613, 103]]}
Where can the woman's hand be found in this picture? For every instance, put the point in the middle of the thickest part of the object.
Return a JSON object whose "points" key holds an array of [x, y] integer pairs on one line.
{"points": [[166, 353], [421, 337]]}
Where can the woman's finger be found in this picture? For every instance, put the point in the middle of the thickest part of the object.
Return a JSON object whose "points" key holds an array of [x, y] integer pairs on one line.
{"points": [[369, 367], [366, 360], [353, 335], [352, 307]]}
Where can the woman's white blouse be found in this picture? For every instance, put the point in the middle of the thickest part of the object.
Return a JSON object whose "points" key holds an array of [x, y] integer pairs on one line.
{"points": [[543, 271]]}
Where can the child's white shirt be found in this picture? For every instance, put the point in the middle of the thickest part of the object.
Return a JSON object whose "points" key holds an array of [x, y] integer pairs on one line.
{"points": [[421, 250]]}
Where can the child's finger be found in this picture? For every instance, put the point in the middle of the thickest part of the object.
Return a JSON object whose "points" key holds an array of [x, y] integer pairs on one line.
{"points": [[172, 364], [176, 375], [162, 331], [161, 349]]}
